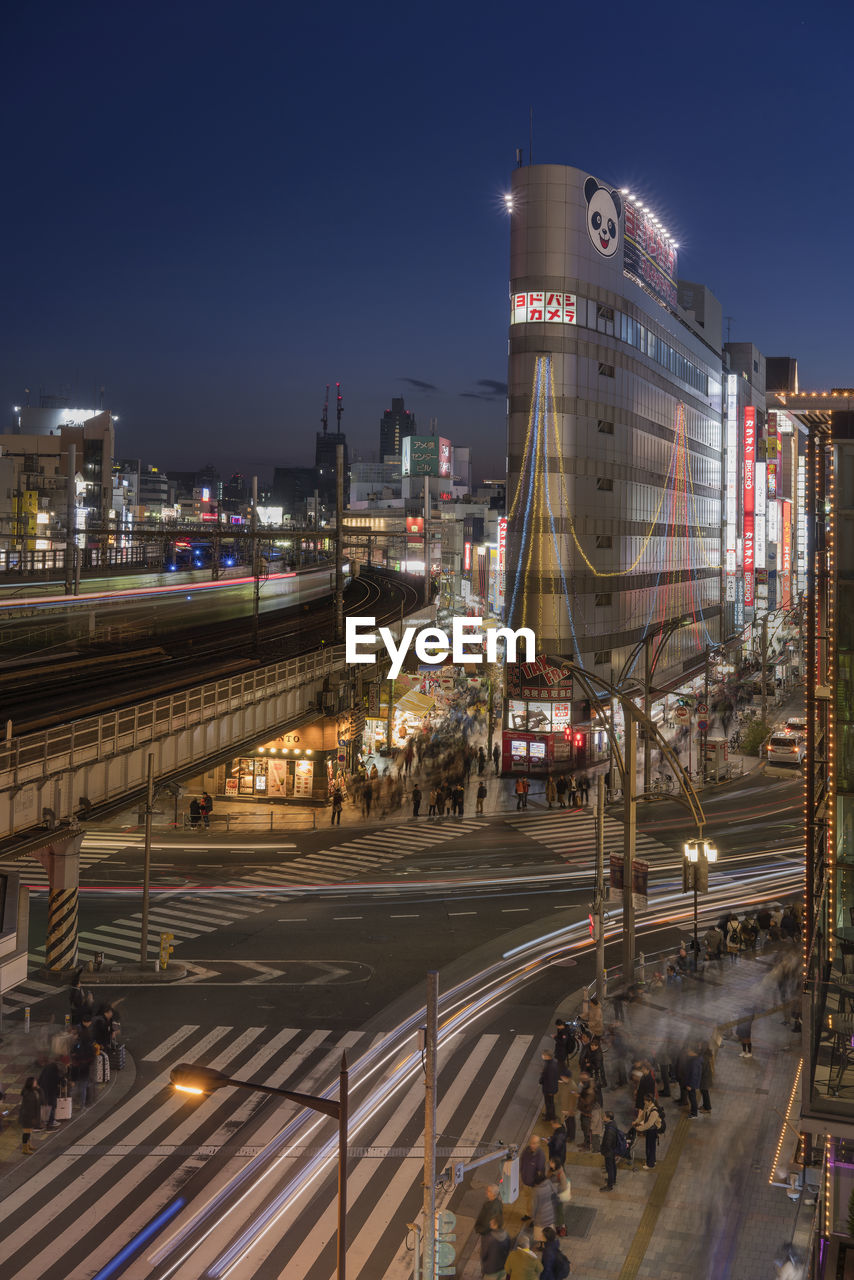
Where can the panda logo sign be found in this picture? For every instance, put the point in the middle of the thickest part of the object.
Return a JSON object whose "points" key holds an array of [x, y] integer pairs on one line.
{"points": [[604, 208]]}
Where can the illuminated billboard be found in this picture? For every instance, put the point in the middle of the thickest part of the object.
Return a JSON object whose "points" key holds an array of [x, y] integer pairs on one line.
{"points": [[749, 459], [542, 306], [649, 255], [420, 455]]}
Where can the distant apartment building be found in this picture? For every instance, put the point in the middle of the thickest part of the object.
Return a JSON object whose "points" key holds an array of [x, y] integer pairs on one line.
{"points": [[395, 424]]}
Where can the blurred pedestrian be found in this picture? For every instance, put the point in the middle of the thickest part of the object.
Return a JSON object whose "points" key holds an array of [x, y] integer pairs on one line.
{"points": [[494, 1248], [648, 1122], [560, 789], [744, 1031], [195, 813], [551, 791], [608, 1150], [544, 1207], [491, 1210], [532, 1160], [50, 1083], [548, 1083], [522, 1263], [337, 805], [206, 806], [707, 1072], [29, 1112], [481, 796], [416, 800]]}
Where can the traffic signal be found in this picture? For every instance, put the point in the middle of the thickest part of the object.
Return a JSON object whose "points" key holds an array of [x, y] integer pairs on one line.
{"points": [[591, 925], [567, 733], [578, 740], [508, 1183], [165, 949]]}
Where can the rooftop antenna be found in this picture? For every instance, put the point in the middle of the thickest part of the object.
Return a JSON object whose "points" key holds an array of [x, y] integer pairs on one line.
{"points": [[518, 157], [339, 405], [433, 423], [531, 135], [729, 320], [325, 416]]}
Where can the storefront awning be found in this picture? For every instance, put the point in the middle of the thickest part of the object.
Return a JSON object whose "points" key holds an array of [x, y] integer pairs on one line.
{"points": [[415, 704]]}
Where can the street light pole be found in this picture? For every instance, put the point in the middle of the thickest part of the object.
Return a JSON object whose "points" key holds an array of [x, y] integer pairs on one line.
{"points": [[599, 906], [430, 1047], [146, 865], [191, 1078], [629, 831]]}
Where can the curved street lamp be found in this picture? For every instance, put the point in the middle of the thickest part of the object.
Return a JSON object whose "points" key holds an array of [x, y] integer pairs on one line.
{"points": [[189, 1077]]}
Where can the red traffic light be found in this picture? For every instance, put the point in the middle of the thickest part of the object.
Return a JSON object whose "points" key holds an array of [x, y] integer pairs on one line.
{"points": [[567, 733], [579, 740]]}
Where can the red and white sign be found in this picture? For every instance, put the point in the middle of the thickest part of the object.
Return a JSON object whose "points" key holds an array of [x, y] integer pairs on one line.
{"points": [[748, 502], [749, 559], [466, 557], [682, 713], [542, 305]]}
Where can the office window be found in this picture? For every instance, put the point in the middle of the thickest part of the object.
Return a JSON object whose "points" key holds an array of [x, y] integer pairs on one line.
{"points": [[604, 541], [607, 428], [606, 370], [605, 484], [603, 597], [602, 659]]}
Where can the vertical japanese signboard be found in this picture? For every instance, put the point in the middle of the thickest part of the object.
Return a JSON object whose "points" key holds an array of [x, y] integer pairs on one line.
{"points": [[748, 503], [731, 507], [502, 553], [786, 557]]}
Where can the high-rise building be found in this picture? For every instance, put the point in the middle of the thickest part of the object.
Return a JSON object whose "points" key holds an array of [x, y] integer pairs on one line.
{"points": [[396, 422], [614, 448]]}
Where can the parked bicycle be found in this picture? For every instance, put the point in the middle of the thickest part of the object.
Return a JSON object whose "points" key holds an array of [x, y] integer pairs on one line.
{"points": [[662, 785], [735, 740]]}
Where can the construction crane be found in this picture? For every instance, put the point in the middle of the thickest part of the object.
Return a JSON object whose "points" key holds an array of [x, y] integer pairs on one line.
{"points": [[340, 405]]}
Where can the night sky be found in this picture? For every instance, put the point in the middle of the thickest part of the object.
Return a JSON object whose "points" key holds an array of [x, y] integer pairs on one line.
{"points": [[214, 210]]}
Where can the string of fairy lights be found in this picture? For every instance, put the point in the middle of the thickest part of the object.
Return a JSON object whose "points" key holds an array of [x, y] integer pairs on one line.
{"points": [[675, 521]]}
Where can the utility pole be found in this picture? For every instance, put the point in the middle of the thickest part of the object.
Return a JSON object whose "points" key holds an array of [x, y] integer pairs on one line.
{"points": [[599, 904], [339, 541], [426, 539], [146, 871], [430, 1053], [764, 667], [647, 715], [70, 519], [629, 828], [704, 733], [256, 565]]}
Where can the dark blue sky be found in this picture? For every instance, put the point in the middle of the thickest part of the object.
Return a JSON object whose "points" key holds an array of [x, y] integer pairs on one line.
{"points": [[214, 210]]}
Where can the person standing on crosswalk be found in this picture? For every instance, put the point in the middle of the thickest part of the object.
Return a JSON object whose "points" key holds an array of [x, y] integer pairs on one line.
{"points": [[337, 806], [496, 758]]}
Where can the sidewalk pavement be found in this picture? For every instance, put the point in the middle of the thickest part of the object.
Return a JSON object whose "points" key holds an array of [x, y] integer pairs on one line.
{"points": [[707, 1209], [22, 1054]]}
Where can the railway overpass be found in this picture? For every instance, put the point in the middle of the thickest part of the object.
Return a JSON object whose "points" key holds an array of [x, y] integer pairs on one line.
{"points": [[53, 778]]}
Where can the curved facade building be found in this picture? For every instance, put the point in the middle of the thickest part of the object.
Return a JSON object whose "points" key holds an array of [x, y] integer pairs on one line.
{"points": [[614, 432]]}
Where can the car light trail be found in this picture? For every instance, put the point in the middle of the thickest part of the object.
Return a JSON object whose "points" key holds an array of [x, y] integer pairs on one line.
{"points": [[461, 1006]]}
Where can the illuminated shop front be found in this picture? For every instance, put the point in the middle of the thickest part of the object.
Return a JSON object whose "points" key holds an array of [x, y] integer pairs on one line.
{"points": [[296, 766]]}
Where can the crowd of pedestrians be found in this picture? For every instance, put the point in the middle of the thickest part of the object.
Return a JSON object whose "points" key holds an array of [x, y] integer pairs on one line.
{"points": [[610, 1085], [80, 1059]]}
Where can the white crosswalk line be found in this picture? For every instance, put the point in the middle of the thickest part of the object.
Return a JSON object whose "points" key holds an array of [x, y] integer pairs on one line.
{"points": [[170, 1042], [254, 1195], [360, 1249], [116, 1120], [83, 1183]]}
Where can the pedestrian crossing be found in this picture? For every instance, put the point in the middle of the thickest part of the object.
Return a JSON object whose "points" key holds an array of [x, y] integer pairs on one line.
{"points": [[361, 855], [571, 833], [186, 918], [203, 1163], [33, 874]]}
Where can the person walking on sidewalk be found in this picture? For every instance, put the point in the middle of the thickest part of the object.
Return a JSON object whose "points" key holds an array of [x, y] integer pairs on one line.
{"points": [[431, 812], [648, 1123], [707, 1073], [491, 1210], [29, 1112], [520, 793], [744, 1031], [50, 1080], [522, 1263], [560, 789], [733, 938], [548, 1084], [494, 1248], [556, 1265], [608, 1150], [551, 791], [481, 796], [532, 1160], [496, 758], [206, 806], [416, 800], [693, 1075], [557, 1142], [337, 806]]}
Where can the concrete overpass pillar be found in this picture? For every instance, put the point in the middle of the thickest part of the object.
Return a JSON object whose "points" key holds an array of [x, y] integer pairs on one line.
{"points": [[60, 857]]}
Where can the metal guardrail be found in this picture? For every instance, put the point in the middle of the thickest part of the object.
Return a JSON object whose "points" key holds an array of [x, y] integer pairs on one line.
{"points": [[99, 738]]}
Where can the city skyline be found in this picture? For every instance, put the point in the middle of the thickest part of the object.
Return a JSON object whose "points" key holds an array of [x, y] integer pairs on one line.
{"points": [[235, 217]]}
